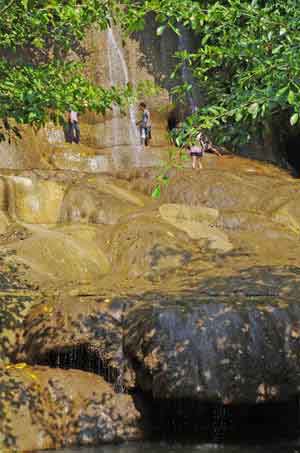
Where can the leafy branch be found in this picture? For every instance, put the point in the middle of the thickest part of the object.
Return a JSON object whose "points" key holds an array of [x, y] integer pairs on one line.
{"points": [[7, 6]]}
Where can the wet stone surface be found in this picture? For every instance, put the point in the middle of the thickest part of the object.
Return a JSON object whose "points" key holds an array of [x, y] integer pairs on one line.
{"points": [[190, 299], [218, 351], [43, 408]]}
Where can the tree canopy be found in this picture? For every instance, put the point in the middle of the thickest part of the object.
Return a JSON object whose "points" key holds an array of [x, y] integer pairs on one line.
{"points": [[38, 77], [246, 62], [247, 59]]}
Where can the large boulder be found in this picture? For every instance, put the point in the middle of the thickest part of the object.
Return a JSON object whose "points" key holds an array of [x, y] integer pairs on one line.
{"points": [[91, 202], [82, 332], [57, 255], [32, 199], [44, 408], [198, 222], [145, 246], [226, 346]]}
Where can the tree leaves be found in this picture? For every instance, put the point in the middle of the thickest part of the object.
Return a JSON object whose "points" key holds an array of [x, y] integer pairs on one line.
{"points": [[246, 60], [291, 97], [253, 110], [25, 3], [160, 30], [294, 119], [37, 81]]}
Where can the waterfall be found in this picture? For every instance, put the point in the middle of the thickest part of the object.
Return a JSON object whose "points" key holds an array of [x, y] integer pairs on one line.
{"points": [[186, 73], [119, 76]]}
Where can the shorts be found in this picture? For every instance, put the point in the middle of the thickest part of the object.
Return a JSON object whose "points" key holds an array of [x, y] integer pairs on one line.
{"points": [[145, 132], [196, 154]]}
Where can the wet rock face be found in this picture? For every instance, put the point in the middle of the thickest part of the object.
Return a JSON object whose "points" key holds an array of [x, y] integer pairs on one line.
{"points": [[82, 332], [43, 408], [17, 297], [60, 256], [238, 352], [192, 297], [149, 249], [92, 205]]}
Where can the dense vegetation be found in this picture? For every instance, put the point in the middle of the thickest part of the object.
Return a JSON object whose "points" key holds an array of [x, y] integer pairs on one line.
{"points": [[248, 58], [38, 77]]}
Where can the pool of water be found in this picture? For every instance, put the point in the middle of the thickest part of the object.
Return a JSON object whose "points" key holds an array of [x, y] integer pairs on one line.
{"points": [[186, 448]]}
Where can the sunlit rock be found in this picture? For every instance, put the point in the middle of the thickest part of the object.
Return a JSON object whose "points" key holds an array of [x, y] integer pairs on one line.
{"points": [[146, 246], [34, 200], [54, 255], [95, 203], [198, 223]]}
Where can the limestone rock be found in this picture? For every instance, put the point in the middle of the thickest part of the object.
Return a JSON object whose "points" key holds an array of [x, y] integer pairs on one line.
{"points": [[33, 199], [198, 223], [59, 256], [4, 223], [143, 247], [44, 408], [83, 332], [80, 158], [179, 212], [288, 214], [216, 189], [87, 203], [17, 297], [215, 349]]}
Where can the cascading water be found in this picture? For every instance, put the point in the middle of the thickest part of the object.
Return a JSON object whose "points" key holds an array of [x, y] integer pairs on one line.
{"points": [[119, 76], [186, 74]]}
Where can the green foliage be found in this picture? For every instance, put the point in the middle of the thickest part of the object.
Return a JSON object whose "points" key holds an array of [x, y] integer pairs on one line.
{"points": [[247, 59], [40, 78], [175, 160]]}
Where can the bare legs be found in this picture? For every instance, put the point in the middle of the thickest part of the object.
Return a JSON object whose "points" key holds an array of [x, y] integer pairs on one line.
{"points": [[196, 163]]}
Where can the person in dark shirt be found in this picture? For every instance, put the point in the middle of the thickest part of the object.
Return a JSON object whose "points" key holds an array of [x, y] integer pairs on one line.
{"points": [[144, 125]]}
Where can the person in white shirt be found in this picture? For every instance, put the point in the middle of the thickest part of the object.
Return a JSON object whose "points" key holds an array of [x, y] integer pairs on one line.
{"points": [[73, 127]]}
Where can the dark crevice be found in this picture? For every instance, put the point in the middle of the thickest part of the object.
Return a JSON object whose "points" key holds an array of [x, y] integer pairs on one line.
{"points": [[82, 357], [187, 420], [292, 151]]}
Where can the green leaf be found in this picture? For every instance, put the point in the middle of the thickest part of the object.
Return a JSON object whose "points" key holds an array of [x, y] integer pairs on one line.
{"points": [[253, 109], [160, 30], [25, 3], [282, 91], [238, 116], [294, 119], [38, 43], [291, 97], [156, 193]]}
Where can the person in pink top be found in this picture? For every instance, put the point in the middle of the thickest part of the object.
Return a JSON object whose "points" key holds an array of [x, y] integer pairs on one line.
{"points": [[198, 149]]}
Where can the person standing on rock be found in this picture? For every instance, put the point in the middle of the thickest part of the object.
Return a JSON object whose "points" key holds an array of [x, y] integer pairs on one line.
{"points": [[144, 125], [73, 127], [197, 150]]}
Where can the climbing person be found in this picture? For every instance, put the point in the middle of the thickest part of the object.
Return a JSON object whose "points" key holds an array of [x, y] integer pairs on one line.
{"points": [[201, 146], [73, 127], [196, 154], [144, 124]]}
